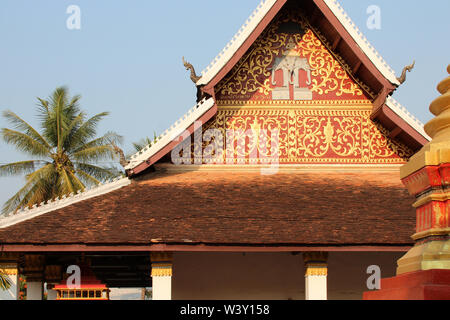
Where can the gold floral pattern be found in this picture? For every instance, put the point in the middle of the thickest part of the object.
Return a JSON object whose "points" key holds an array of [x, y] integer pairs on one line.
{"points": [[304, 136], [250, 79]]}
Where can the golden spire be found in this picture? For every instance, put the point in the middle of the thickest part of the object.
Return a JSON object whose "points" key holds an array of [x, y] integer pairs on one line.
{"points": [[425, 171], [437, 151], [440, 126]]}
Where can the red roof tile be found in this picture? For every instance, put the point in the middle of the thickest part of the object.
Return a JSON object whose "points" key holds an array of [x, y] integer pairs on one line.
{"points": [[230, 208]]}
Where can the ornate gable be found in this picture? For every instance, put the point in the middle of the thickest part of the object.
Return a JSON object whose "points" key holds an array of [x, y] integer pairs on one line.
{"points": [[314, 78], [290, 62], [291, 82]]}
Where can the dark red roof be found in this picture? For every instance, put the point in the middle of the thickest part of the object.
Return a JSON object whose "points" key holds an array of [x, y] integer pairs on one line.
{"points": [[231, 208]]}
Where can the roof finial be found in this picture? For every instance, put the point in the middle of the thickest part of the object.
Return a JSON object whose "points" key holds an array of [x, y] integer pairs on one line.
{"points": [[190, 67], [123, 161], [402, 78]]}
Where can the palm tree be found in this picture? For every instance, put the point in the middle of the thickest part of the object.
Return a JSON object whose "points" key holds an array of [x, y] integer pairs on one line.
{"points": [[66, 151], [5, 283]]}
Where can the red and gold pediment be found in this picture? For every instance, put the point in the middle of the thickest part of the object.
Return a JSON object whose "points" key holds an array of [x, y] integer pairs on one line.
{"points": [[290, 62], [290, 82], [303, 136]]}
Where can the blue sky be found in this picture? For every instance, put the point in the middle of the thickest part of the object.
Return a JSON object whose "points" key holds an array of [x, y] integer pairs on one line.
{"points": [[126, 58]]}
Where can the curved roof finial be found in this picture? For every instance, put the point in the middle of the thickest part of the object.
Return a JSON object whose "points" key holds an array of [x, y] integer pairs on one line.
{"points": [[402, 78]]}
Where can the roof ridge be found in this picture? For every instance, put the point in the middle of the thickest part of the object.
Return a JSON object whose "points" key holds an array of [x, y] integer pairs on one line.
{"points": [[171, 133], [62, 201]]}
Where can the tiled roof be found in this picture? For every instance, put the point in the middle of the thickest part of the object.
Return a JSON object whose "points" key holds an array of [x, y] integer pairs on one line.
{"points": [[52, 205], [230, 208]]}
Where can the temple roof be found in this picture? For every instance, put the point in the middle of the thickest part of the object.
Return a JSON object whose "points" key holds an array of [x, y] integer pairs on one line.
{"points": [[233, 207], [212, 207]]}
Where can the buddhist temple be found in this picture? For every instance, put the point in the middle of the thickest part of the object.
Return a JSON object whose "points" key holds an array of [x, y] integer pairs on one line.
{"points": [[281, 182]]}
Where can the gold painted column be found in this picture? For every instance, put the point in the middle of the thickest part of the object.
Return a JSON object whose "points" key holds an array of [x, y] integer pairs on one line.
{"points": [[427, 177], [316, 275], [161, 276]]}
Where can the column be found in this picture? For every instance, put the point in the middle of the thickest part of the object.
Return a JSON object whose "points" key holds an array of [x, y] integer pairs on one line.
{"points": [[53, 275], [34, 273], [51, 294], [316, 275], [34, 290], [161, 276]]}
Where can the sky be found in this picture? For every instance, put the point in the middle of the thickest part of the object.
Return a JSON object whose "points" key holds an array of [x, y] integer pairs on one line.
{"points": [[126, 57]]}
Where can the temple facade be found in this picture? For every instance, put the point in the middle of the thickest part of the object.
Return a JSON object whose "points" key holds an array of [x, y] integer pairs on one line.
{"points": [[282, 182]]}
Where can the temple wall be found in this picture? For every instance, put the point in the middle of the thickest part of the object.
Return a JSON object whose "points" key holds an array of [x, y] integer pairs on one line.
{"points": [[278, 276]]}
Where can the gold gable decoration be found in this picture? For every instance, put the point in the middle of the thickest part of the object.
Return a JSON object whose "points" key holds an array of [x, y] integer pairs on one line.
{"points": [[252, 74], [306, 136]]}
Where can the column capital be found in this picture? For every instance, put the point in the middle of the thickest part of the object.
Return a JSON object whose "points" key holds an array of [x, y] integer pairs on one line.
{"points": [[316, 272], [317, 257], [161, 264], [161, 257], [316, 263]]}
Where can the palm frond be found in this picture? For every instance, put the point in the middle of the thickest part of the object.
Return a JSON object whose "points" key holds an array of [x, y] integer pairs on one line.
{"points": [[67, 184], [95, 153], [87, 179], [24, 142], [99, 173], [42, 180], [108, 139], [23, 126], [85, 132], [76, 123], [59, 115], [5, 282], [20, 167], [76, 182]]}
